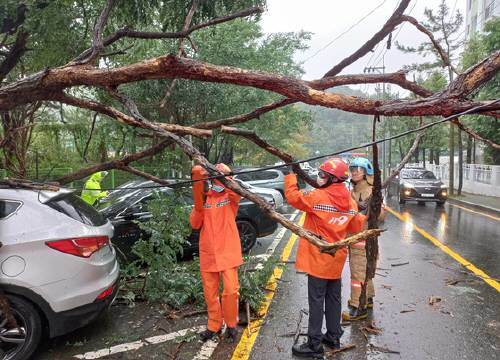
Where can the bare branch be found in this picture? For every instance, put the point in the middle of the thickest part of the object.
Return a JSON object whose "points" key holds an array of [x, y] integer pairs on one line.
{"points": [[145, 175], [129, 33], [97, 42], [124, 118], [405, 159], [439, 49], [287, 158], [114, 164], [15, 53], [475, 134], [90, 136], [389, 26]]}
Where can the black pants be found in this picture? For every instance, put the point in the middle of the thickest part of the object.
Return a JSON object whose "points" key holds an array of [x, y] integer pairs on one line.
{"points": [[324, 299]]}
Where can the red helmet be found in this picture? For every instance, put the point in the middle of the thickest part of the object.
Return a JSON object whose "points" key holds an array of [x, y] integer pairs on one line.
{"points": [[336, 167]]}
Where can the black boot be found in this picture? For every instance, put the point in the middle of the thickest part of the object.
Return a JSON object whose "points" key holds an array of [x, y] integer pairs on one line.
{"points": [[331, 343], [231, 334], [354, 314], [369, 303], [208, 335], [308, 350]]}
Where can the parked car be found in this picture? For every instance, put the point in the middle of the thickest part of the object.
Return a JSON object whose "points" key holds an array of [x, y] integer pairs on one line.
{"points": [[277, 198], [58, 267], [418, 184], [270, 179], [129, 209]]}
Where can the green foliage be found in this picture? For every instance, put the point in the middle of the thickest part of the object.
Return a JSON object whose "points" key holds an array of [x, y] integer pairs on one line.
{"points": [[478, 48], [253, 283]]}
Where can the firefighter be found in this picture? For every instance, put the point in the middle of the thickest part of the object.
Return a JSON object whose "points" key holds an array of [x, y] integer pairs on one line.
{"points": [[330, 213], [214, 212], [92, 190], [361, 170]]}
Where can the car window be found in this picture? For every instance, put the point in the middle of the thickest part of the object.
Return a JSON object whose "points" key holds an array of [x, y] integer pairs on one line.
{"points": [[77, 209], [417, 174], [8, 207], [246, 177], [268, 175], [428, 175]]}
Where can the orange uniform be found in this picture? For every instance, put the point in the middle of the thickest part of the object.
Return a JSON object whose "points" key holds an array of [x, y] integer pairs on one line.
{"points": [[330, 213], [220, 255]]}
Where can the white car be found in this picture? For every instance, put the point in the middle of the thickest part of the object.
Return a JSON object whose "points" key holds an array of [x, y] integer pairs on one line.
{"points": [[57, 266]]}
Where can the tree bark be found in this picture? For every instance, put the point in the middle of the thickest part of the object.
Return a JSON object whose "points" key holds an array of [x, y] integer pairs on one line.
{"points": [[460, 163]]}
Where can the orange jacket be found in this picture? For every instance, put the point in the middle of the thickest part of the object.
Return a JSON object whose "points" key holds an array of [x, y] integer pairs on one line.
{"points": [[330, 213], [220, 247]]}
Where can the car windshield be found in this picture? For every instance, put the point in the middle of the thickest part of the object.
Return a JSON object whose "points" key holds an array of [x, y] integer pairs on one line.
{"points": [[417, 174], [74, 207]]}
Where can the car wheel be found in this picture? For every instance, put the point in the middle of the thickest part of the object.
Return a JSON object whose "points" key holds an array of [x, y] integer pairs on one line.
{"points": [[400, 199], [248, 235], [20, 342], [440, 203]]}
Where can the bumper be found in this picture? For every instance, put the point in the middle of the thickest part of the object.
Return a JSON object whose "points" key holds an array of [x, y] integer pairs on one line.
{"points": [[66, 321], [411, 194]]}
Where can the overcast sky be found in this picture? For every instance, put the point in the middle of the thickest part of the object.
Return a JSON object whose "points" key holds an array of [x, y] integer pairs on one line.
{"points": [[327, 19]]}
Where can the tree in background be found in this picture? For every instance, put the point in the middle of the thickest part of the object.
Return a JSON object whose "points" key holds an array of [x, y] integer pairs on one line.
{"points": [[477, 48], [444, 26]]}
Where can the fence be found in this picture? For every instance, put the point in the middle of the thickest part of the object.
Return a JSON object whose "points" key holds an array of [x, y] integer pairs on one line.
{"points": [[477, 178]]}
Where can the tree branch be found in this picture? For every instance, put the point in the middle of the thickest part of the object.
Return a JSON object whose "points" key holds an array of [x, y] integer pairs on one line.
{"points": [[388, 27], [90, 137], [287, 158], [144, 175], [14, 54], [439, 49], [124, 118], [114, 164], [405, 159], [475, 134]]}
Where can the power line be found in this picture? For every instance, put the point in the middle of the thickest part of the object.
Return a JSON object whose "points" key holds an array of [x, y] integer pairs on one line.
{"points": [[345, 32]]}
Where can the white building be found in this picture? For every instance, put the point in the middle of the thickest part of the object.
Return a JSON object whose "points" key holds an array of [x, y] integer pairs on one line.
{"points": [[478, 13]]}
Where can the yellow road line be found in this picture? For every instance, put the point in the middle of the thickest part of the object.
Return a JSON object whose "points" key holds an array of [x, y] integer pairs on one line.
{"points": [[468, 265], [242, 351], [476, 212]]}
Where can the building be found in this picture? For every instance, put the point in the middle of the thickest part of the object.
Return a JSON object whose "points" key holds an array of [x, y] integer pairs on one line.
{"points": [[478, 13]]}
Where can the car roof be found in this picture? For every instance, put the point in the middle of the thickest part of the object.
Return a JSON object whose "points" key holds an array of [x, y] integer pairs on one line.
{"points": [[25, 194]]}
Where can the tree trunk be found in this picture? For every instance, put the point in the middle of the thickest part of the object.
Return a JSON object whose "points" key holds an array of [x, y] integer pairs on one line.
{"points": [[460, 163], [437, 153], [469, 150], [423, 156], [451, 146]]}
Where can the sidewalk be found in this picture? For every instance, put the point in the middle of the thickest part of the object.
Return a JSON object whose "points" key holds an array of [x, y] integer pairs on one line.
{"points": [[488, 203]]}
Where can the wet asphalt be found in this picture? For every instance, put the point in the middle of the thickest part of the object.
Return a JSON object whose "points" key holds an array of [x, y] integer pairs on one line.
{"points": [[465, 324]]}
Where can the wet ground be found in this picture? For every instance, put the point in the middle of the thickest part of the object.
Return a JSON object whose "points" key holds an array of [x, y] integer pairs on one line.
{"points": [[464, 324]]}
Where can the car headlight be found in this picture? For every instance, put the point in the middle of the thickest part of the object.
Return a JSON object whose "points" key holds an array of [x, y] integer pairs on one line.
{"points": [[408, 185]]}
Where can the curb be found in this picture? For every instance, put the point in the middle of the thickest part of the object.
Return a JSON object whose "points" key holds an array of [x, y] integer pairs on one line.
{"points": [[474, 205]]}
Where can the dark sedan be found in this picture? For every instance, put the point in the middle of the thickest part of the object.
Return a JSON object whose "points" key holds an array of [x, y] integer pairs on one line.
{"points": [[130, 207], [418, 184]]}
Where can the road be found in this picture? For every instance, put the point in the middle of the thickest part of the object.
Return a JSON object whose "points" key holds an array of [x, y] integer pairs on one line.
{"points": [[452, 253]]}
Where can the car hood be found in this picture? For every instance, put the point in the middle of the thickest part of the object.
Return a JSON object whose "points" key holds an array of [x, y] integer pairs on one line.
{"points": [[422, 182]]}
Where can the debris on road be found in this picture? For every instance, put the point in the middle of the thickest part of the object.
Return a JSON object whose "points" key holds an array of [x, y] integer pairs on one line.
{"points": [[432, 300], [297, 331], [371, 328], [381, 349], [343, 348], [447, 313], [400, 264], [406, 311], [388, 287]]}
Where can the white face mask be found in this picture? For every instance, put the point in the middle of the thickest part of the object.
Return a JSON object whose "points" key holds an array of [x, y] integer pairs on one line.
{"points": [[321, 181]]}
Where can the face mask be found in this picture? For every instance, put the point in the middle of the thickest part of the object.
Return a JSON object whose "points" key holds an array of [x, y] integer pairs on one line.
{"points": [[321, 181]]}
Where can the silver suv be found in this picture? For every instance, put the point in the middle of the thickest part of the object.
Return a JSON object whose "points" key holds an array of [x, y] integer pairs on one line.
{"points": [[58, 268]]}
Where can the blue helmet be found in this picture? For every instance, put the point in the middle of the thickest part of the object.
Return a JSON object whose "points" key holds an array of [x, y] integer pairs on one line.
{"points": [[363, 163]]}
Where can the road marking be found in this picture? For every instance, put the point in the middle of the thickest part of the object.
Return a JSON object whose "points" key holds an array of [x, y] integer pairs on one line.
{"points": [[467, 264], [244, 347], [138, 344], [206, 350], [476, 212]]}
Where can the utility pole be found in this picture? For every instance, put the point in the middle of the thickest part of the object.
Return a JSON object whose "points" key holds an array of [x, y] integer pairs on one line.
{"points": [[380, 70]]}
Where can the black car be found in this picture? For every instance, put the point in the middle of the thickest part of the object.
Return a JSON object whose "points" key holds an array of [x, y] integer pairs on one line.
{"points": [[418, 184], [130, 207]]}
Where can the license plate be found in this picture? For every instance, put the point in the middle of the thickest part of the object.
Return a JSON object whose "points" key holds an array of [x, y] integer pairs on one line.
{"points": [[427, 195]]}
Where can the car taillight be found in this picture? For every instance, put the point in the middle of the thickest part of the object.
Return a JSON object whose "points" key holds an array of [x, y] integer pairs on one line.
{"points": [[105, 293], [82, 247]]}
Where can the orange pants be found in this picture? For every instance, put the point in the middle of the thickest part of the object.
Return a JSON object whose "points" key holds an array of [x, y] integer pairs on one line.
{"points": [[227, 311]]}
